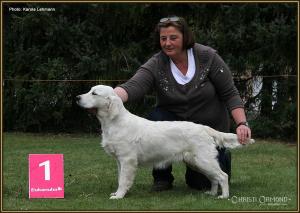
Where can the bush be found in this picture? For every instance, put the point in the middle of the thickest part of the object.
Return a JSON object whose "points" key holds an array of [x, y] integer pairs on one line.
{"points": [[107, 41]]}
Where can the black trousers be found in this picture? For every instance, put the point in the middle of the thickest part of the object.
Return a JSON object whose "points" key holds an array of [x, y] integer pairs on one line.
{"points": [[193, 178]]}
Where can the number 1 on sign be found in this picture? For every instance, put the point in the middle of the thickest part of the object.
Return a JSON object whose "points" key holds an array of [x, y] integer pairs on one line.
{"points": [[47, 169]]}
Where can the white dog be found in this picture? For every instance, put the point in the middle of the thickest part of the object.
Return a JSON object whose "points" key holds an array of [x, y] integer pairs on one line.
{"points": [[134, 141]]}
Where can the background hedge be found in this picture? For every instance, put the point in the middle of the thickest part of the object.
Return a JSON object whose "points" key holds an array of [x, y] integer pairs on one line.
{"points": [[47, 55]]}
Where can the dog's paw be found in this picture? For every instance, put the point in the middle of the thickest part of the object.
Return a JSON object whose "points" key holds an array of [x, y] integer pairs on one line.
{"points": [[116, 197], [210, 193], [223, 197]]}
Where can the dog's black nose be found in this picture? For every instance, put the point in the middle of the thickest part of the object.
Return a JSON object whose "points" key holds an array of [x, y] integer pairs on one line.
{"points": [[78, 97]]}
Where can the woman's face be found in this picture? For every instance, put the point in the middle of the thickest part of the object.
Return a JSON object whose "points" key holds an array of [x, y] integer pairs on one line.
{"points": [[171, 41]]}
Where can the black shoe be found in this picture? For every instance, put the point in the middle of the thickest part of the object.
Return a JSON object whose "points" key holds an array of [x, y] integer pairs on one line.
{"points": [[161, 186], [196, 180]]}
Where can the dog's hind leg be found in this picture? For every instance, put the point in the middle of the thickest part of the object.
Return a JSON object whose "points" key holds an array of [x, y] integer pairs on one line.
{"points": [[208, 165], [214, 187], [223, 181], [126, 177], [219, 178]]}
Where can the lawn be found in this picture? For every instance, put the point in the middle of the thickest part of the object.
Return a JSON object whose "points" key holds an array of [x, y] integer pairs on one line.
{"points": [[264, 177]]}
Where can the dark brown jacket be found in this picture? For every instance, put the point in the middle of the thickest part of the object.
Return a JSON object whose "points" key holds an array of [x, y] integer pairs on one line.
{"points": [[206, 99]]}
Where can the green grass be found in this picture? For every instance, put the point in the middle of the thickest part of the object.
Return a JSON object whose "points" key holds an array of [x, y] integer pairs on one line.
{"points": [[262, 170]]}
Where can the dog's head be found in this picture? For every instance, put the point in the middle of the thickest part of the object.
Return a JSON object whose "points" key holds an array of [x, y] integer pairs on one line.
{"points": [[101, 100]]}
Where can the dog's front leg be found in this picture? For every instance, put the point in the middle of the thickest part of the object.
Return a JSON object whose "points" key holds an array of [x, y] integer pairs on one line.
{"points": [[126, 177], [119, 168]]}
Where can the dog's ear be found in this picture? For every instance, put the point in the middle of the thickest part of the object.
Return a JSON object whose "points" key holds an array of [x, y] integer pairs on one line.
{"points": [[113, 107]]}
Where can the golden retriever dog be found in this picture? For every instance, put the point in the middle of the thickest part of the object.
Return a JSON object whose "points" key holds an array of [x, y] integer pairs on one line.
{"points": [[136, 141]]}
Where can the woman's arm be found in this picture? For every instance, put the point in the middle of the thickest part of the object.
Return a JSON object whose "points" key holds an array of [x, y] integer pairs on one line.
{"points": [[224, 84], [238, 115], [121, 93], [140, 83]]}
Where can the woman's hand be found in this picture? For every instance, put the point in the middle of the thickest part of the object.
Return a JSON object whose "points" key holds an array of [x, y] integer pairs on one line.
{"points": [[244, 133]]}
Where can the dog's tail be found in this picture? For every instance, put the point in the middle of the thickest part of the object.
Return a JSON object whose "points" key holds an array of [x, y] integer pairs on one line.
{"points": [[228, 140]]}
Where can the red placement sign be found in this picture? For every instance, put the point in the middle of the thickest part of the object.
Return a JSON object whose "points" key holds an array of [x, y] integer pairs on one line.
{"points": [[46, 176]]}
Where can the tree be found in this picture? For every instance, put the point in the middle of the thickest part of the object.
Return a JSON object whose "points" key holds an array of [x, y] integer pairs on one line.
{"points": [[109, 41]]}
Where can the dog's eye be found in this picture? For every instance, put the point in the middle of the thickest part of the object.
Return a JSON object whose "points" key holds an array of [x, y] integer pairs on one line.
{"points": [[93, 93]]}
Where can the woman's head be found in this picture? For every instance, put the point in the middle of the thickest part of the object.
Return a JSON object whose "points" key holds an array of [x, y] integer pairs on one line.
{"points": [[179, 24]]}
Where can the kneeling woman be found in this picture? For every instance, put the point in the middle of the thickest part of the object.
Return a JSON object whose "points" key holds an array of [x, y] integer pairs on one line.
{"points": [[192, 83]]}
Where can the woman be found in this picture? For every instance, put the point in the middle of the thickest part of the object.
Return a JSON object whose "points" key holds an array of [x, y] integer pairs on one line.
{"points": [[192, 83]]}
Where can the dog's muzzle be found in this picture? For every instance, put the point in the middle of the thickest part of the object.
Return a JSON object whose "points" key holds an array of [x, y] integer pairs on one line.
{"points": [[90, 110]]}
